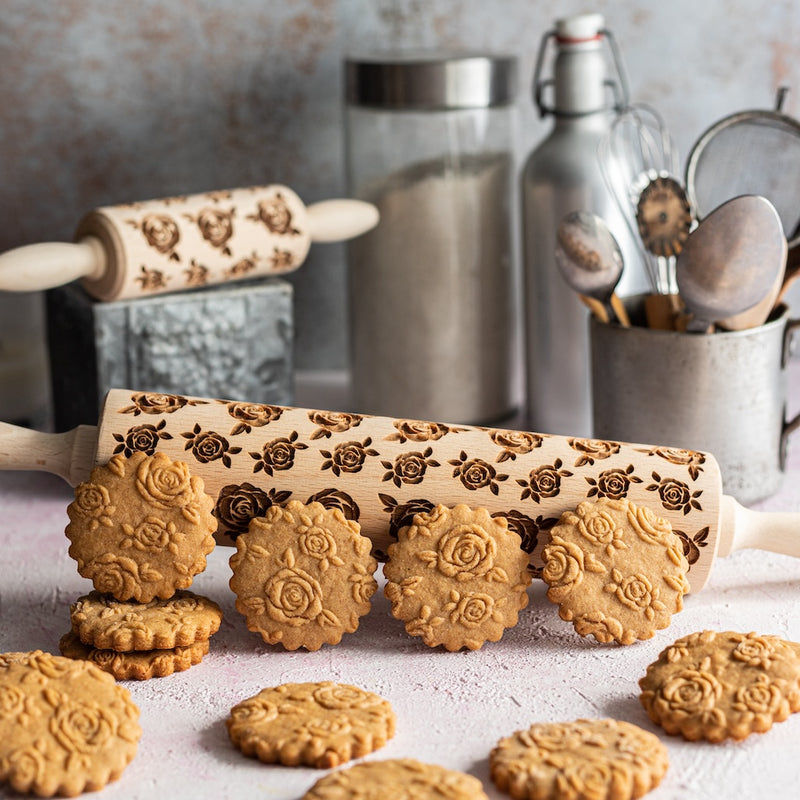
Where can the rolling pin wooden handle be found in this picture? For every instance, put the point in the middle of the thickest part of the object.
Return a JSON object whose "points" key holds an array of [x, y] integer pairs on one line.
{"points": [[339, 220], [742, 528], [43, 266], [69, 455]]}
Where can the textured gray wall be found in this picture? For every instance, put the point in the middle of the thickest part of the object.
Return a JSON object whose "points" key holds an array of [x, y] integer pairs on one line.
{"points": [[108, 101]]}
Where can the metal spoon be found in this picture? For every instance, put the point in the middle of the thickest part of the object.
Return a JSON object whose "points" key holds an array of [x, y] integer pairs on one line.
{"points": [[590, 260], [731, 261]]}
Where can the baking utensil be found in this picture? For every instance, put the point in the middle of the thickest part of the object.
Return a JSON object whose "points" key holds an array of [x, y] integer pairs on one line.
{"points": [[171, 244], [731, 261], [590, 260], [381, 471], [750, 152]]}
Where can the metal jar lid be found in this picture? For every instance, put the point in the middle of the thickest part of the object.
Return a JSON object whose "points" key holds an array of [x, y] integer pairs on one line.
{"points": [[431, 82]]}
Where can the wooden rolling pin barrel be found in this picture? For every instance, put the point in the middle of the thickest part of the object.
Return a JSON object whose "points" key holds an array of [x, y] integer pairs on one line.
{"points": [[172, 244], [381, 471]]}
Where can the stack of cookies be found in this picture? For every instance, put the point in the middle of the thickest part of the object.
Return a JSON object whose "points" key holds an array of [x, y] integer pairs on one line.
{"points": [[140, 529]]}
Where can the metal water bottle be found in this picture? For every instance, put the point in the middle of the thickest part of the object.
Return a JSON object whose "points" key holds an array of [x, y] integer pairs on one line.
{"points": [[563, 174]]}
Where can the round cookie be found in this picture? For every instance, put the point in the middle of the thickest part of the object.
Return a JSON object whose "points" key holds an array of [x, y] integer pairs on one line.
{"points": [[141, 527], [616, 570], [400, 777], [718, 685], [180, 621], [602, 758], [313, 724], [66, 726], [303, 575], [457, 577], [135, 665]]}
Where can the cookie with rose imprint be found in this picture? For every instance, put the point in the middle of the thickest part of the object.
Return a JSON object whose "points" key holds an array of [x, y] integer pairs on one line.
{"points": [[303, 575], [457, 577], [397, 777], [136, 665], [66, 726], [141, 527], [715, 686], [180, 621], [616, 570], [588, 758], [318, 725]]}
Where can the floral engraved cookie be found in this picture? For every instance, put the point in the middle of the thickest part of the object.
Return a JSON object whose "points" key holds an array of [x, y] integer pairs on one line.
{"points": [[457, 577], [616, 570], [182, 620], [717, 685], [137, 665], [141, 527], [396, 778], [303, 575], [318, 725], [66, 727], [602, 758]]}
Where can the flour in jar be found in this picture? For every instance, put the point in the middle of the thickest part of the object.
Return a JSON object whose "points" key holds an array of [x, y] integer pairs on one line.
{"points": [[432, 300]]}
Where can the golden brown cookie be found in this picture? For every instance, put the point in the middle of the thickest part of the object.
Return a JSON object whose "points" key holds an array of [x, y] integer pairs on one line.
{"points": [[137, 665], [313, 724], [457, 577], [615, 570], [718, 685], [66, 726], [303, 575], [399, 777], [602, 758], [109, 624], [141, 527]]}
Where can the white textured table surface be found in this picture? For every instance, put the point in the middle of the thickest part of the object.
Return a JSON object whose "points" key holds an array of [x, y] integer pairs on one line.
{"points": [[451, 707]]}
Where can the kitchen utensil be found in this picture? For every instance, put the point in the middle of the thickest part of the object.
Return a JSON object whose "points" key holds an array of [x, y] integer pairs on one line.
{"points": [[731, 260], [591, 262], [381, 471], [726, 394], [753, 152], [166, 245]]}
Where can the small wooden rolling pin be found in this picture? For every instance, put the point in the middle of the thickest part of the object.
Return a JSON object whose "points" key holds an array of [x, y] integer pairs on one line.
{"points": [[381, 471], [177, 243]]}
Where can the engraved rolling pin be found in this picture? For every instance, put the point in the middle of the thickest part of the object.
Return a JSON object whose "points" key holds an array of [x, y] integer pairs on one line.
{"points": [[168, 245], [382, 471]]}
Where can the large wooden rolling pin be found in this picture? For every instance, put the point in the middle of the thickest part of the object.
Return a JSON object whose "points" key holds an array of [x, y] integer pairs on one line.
{"points": [[381, 471], [177, 243]]}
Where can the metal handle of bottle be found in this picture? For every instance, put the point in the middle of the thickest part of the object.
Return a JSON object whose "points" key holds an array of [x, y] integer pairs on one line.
{"points": [[619, 88]]}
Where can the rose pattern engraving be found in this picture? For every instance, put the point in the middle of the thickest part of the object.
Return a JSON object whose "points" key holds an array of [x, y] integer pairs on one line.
{"points": [[151, 280], [592, 449], [413, 430], [464, 552], [161, 232], [471, 609], [281, 260], [338, 697], [409, 468], [154, 403], [215, 226], [612, 483], [475, 473], [543, 481], [348, 457], [93, 502], [275, 213], [254, 711], [330, 422], [239, 503], [252, 415], [674, 494], [164, 483], [196, 274], [758, 651], [293, 596], [117, 575], [403, 514], [242, 267], [692, 691], [527, 528], [278, 454], [81, 728], [636, 592], [12, 702], [152, 535], [141, 439], [514, 443], [692, 544], [207, 446], [691, 459], [335, 498]]}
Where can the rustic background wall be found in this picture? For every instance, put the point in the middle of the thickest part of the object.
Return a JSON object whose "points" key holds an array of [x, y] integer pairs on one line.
{"points": [[108, 101]]}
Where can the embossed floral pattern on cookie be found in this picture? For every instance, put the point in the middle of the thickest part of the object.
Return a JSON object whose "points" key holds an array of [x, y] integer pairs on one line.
{"points": [[602, 758], [615, 569], [141, 527], [716, 686], [303, 575], [457, 577], [318, 725]]}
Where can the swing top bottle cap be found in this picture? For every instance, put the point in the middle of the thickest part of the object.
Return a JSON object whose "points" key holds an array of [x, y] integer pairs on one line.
{"points": [[579, 28]]}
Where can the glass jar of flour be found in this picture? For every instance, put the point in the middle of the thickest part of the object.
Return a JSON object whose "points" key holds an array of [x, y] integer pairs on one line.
{"points": [[432, 289]]}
